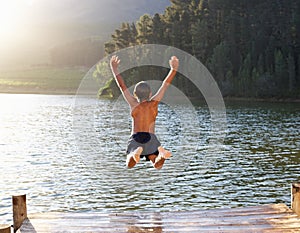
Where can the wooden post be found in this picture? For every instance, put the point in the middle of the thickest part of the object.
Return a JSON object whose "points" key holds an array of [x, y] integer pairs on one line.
{"points": [[295, 197], [4, 229], [19, 210]]}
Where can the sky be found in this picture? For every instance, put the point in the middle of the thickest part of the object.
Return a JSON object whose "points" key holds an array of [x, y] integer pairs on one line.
{"points": [[14, 16], [34, 26]]}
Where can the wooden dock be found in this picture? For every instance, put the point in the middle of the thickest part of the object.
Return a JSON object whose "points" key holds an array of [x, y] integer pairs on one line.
{"points": [[265, 218], [268, 218]]}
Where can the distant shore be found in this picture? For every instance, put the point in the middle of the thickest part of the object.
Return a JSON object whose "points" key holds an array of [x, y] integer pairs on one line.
{"points": [[52, 80], [42, 80], [278, 100], [69, 91], [20, 90]]}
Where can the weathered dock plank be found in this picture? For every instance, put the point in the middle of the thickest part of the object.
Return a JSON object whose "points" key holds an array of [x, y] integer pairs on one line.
{"points": [[266, 218], [5, 228]]}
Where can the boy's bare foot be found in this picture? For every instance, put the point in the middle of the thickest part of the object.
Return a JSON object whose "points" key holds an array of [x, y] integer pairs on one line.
{"points": [[164, 153], [136, 154], [162, 156]]}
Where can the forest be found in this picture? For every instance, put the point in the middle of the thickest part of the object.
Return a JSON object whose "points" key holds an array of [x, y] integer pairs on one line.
{"points": [[252, 48]]}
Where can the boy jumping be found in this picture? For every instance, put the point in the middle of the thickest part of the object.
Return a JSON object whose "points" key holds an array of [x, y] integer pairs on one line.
{"points": [[144, 109]]}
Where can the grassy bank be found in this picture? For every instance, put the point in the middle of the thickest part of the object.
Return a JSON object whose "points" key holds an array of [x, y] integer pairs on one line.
{"points": [[48, 80]]}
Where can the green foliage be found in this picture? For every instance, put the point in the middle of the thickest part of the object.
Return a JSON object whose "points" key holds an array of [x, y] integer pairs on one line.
{"points": [[251, 47], [42, 79], [110, 90]]}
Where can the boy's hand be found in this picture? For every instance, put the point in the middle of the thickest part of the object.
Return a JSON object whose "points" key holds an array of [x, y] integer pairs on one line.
{"points": [[114, 63], [174, 63]]}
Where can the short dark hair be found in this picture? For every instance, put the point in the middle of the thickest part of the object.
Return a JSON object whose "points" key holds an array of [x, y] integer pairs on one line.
{"points": [[142, 91]]}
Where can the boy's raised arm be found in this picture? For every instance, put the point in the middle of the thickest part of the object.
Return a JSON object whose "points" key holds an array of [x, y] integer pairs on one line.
{"points": [[174, 63], [114, 62]]}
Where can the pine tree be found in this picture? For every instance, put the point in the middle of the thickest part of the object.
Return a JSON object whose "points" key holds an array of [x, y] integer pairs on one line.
{"points": [[280, 72], [158, 30], [144, 28], [292, 72]]}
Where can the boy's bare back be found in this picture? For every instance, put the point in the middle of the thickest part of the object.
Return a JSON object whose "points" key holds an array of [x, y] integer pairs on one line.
{"points": [[144, 116]]}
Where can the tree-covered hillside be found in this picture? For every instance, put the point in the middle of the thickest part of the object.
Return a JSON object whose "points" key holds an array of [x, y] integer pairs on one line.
{"points": [[252, 48]]}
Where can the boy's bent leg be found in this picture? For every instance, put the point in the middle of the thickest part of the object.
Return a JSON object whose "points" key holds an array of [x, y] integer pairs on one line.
{"points": [[134, 157], [156, 164], [161, 158]]}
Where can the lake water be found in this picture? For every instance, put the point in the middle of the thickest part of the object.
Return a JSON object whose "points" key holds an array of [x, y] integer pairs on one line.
{"points": [[67, 154]]}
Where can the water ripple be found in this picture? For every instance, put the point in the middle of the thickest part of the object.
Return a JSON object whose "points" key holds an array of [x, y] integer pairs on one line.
{"points": [[65, 169]]}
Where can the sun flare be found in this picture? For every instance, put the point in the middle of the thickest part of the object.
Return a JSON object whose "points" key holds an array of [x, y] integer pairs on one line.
{"points": [[12, 17]]}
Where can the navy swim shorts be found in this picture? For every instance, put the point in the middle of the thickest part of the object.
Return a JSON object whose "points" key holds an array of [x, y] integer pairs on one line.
{"points": [[147, 141]]}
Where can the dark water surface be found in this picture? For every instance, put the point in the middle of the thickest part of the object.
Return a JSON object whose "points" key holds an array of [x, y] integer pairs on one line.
{"points": [[74, 161]]}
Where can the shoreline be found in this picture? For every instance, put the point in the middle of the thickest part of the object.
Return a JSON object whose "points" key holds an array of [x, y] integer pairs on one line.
{"points": [[38, 91], [271, 100]]}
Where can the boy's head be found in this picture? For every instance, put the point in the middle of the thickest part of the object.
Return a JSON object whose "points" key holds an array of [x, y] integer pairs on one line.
{"points": [[142, 91]]}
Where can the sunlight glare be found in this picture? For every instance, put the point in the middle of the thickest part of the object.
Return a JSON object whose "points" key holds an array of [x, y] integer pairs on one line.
{"points": [[12, 14]]}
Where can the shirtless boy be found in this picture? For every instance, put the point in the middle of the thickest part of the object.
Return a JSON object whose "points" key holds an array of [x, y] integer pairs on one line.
{"points": [[144, 109]]}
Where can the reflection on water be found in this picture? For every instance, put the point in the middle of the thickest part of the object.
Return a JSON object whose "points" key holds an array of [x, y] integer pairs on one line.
{"points": [[82, 168]]}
